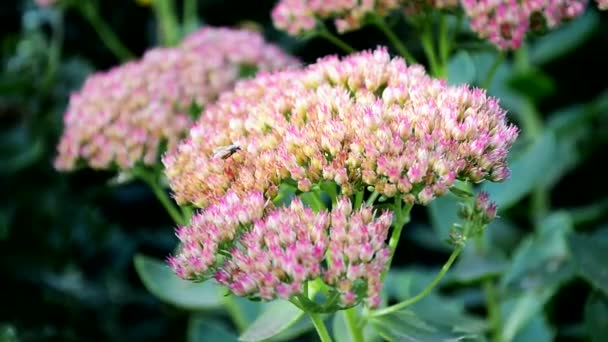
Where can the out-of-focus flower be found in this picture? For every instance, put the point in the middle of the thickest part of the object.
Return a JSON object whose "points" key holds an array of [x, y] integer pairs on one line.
{"points": [[45, 3], [506, 23], [300, 16], [266, 253], [364, 121], [602, 4], [123, 116]]}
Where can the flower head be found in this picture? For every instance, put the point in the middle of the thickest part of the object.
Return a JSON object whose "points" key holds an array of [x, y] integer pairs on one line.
{"points": [[506, 23], [364, 121], [272, 252], [124, 116], [300, 16]]}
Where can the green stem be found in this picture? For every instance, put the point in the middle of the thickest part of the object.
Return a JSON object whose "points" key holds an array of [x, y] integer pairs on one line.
{"points": [[444, 42], [358, 199], [379, 22], [500, 57], [402, 217], [351, 321], [109, 38], [323, 32], [426, 38], [372, 198], [190, 15], [168, 28], [423, 293], [235, 313], [161, 195], [494, 314], [317, 321]]}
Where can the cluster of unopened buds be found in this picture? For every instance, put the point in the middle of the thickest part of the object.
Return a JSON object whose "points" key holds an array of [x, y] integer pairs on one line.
{"points": [[367, 123]]}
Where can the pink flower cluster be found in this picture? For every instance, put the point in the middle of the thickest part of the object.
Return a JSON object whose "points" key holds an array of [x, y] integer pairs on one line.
{"points": [[300, 16], [367, 121], [275, 255], [505, 23], [123, 116]]}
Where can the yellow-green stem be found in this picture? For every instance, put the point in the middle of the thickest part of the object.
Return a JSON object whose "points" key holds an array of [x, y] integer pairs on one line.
{"points": [[168, 29], [317, 321], [352, 323], [423, 293], [190, 15]]}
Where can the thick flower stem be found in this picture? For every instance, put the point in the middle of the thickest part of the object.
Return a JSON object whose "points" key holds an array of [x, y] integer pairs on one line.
{"points": [[423, 293], [317, 321], [168, 28], [109, 38], [351, 322], [190, 15]]}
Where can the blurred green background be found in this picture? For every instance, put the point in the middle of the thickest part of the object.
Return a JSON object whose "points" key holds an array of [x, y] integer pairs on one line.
{"points": [[67, 240]]}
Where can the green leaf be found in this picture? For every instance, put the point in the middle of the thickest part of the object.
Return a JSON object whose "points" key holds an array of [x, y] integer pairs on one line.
{"points": [[565, 39], [402, 285], [542, 259], [527, 171], [203, 329], [443, 212], [160, 280], [461, 69], [301, 326], [540, 265], [278, 316], [533, 84], [406, 325], [521, 310], [596, 317], [472, 267], [590, 256], [537, 330]]}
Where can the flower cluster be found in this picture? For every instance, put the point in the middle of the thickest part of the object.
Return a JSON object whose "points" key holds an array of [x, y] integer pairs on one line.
{"points": [[364, 122], [300, 16], [208, 231], [124, 116], [505, 23], [272, 252], [602, 4]]}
